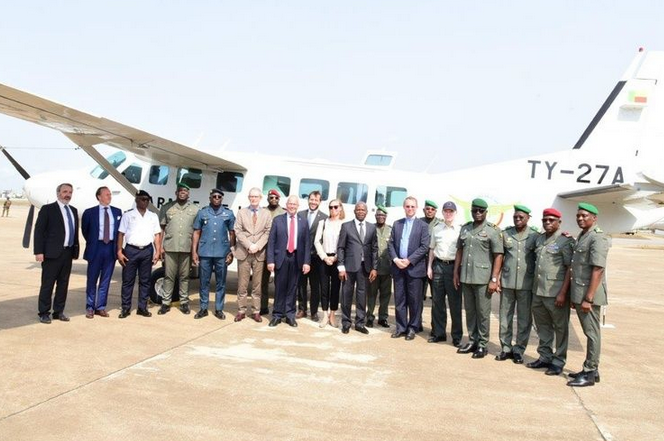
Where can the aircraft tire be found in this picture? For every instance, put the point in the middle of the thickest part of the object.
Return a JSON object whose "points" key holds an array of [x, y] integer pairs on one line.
{"points": [[157, 287]]}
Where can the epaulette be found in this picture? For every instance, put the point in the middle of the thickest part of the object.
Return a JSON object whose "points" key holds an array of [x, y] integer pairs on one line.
{"points": [[598, 230], [131, 209], [494, 226], [534, 228], [467, 223]]}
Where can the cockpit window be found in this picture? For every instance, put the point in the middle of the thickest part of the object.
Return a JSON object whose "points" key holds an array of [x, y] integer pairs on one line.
{"points": [[116, 159]]}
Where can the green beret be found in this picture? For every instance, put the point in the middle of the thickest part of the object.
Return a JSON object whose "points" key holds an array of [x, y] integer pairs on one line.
{"points": [[522, 208], [589, 208], [183, 185], [381, 208], [430, 203], [480, 203]]}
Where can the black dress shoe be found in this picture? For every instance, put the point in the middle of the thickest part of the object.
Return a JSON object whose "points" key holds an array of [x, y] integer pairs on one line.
{"points": [[369, 323], [383, 323], [124, 313], [60, 316], [143, 312], [220, 315], [398, 335], [420, 329], [554, 370], [45, 319], [265, 311], [504, 356], [584, 379], [345, 329], [576, 374], [436, 339], [479, 353], [274, 322], [456, 342], [467, 348], [200, 314], [517, 358], [361, 329], [291, 322], [315, 318], [538, 364], [185, 309], [410, 335], [164, 309]]}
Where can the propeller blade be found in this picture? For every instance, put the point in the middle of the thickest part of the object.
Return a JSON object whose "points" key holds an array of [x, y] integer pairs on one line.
{"points": [[16, 165], [28, 227]]}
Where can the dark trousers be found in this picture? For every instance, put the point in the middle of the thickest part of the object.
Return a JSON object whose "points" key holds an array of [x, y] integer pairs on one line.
{"points": [[382, 285], [407, 301], [312, 279], [286, 280], [443, 286], [330, 285], [55, 272], [265, 288], [355, 282], [100, 271], [140, 261]]}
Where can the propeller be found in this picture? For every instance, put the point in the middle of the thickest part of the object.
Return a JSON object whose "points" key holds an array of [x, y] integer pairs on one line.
{"points": [[31, 213]]}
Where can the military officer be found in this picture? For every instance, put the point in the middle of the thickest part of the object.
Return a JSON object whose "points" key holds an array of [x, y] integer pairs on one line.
{"points": [[477, 266], [516, 285], [177, 224], [213, 238], [550, 306], [274, 209], [588, 289], [383, 282]]}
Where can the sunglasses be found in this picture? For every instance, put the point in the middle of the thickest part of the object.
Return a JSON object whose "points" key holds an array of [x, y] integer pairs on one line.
{"points": [[334, 207], [548, 220], [273, 197], [216, 196], [478, 210], [429, 208]]}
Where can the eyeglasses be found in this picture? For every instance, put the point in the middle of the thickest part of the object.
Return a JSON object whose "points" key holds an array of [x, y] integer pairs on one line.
{"points": [[548, 220], [334, 207], [216, 196], [478, 210]]}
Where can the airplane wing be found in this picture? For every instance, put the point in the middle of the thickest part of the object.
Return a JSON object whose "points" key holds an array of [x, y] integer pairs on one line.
{"points": [[89, 130]]}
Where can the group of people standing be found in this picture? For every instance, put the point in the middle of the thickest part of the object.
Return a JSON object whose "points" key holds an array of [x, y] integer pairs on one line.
{"points": [[322, 261]]}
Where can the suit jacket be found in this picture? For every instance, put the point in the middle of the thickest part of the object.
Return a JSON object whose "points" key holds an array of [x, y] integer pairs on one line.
{"points": [[90, 230], [50, 231], [350, 249], [418, 246], [277, 243], [247, 233], [314, 225]]}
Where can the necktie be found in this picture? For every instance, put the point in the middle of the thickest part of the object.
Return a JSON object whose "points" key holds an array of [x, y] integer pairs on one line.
{"points": [[107, 227], [291, 235], [403, 246], [70, 222], [362, 232], [254, 217], [312, 215]]}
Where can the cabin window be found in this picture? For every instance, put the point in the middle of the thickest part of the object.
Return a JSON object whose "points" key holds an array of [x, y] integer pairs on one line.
{"points": [[190, 176], [352, 192], [230, 181], [280, 183], [309, 185], [390, 196], [133, 173], [159, 175], [115, 160]]}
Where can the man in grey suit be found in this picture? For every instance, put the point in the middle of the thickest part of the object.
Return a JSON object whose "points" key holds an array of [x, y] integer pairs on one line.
{"points": [[312, 216], [357, 257], [408, 248]]}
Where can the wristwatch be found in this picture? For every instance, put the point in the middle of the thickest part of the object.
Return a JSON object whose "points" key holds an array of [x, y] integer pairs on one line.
{"points": [[494, 280]]}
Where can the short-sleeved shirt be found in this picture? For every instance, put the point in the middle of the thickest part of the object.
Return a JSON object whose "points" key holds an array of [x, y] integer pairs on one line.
{"points": [[215, 227], [139, 230], [178, 223], [519, 261], [444, 241], [591, 250], [553, 257], [383, 237], [479, 245]]}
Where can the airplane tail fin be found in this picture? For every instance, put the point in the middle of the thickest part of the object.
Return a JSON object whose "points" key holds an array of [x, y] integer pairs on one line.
{"points": [[630, 120]]}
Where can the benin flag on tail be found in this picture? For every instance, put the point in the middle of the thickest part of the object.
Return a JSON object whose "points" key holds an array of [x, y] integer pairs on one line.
{"points": [[638, 96]]}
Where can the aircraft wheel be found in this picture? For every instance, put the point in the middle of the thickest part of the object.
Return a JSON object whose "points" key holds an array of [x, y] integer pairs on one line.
{"points": [[157, 287]]}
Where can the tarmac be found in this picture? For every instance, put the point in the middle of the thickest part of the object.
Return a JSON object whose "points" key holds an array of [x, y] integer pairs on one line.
{"points": [[172, 377]]}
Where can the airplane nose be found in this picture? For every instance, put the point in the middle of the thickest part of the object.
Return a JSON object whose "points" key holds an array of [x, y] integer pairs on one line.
{"points": [[35, 191]]}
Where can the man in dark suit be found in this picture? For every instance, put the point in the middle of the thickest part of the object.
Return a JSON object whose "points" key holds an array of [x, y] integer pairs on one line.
{"points": [[408, 248], [55, 246], [99, 226], [357, 257], [312, 216], [288, 256]]}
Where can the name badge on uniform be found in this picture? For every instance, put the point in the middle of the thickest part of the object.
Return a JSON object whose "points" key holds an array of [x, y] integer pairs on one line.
{"points": [[482, 234], [552, 248], [508, 241]]}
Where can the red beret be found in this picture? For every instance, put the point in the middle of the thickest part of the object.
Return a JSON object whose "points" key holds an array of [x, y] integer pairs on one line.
{"points": [[273, 192], [552, 212]]}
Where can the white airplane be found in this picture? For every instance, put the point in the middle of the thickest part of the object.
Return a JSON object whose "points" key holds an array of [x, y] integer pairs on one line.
{"points": [[614, 165]]}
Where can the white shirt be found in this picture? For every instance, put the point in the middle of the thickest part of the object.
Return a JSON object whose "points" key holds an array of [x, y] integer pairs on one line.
{"points": [[311, 216], [327, 237], [139, 230], [444, 240], [111, 222], [63, 212]]}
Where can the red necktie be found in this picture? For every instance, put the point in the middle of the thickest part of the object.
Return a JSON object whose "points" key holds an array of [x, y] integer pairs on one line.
{"points": [[291, 234]]}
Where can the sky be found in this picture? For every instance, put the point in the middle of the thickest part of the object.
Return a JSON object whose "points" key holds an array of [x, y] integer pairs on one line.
{"points": [[445, 84]]}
